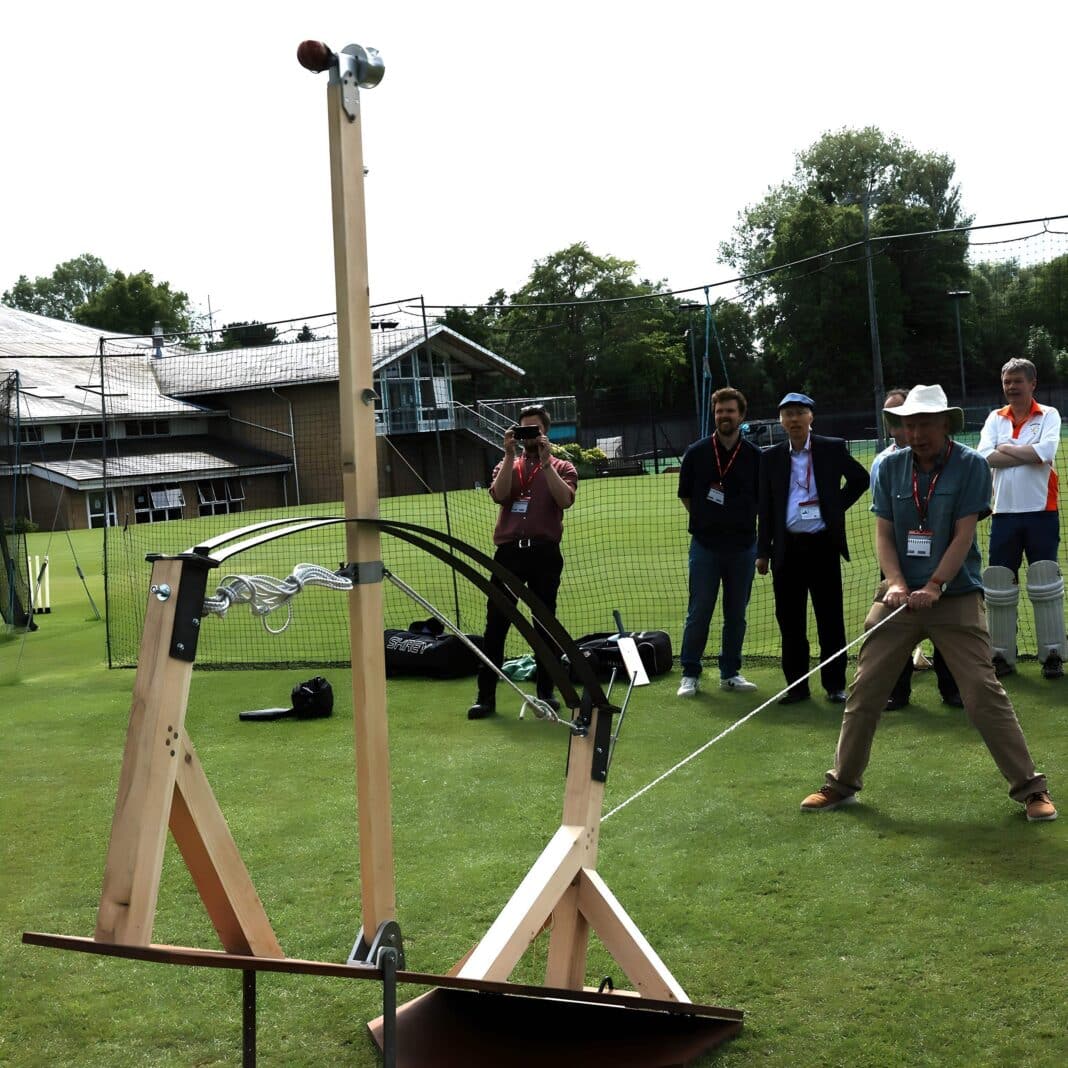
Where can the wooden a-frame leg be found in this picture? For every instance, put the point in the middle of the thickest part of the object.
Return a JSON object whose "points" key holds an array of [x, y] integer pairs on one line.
{"points": [[149, 769], [627, 945], [523, 917], [213, 860]]}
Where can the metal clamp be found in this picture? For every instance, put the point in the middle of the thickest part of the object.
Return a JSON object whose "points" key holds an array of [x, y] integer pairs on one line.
{"points": [[357, 68], [363, 574]]}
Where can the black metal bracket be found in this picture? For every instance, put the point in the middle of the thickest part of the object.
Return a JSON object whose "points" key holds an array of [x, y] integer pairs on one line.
{"points": [[602, 744], [189, 607], [364, 574], [365, 954]]}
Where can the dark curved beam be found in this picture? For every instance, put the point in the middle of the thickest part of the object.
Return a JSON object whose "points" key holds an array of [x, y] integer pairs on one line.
{"points": [[539, 610], [542, 650]]}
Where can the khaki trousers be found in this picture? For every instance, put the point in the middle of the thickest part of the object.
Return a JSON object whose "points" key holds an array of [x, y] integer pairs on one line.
{"points": [[957, 625]]}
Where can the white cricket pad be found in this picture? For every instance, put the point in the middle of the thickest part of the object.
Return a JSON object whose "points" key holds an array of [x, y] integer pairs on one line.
{"points": [[1002, 594], [1045, 587]]}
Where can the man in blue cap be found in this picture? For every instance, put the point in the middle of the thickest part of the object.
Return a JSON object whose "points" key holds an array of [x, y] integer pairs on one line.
{"points": [[807, 484]]}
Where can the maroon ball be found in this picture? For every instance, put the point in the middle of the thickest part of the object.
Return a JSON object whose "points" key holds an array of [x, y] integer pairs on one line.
{"points": [[314, 55]]}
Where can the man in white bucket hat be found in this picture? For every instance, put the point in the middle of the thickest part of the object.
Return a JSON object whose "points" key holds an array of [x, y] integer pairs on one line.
{"points": [[927, 499]]}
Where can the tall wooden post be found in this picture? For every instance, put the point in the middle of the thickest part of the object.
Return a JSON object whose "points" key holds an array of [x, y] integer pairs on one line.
{"points": [[359, 469]]}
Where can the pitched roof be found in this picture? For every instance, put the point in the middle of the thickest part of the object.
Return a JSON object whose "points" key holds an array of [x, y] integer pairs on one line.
{"points": [[305, 363], [183, 458], [25, 334]]}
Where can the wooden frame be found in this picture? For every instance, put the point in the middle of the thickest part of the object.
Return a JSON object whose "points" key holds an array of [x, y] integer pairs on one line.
{"points": [[163, 786]]}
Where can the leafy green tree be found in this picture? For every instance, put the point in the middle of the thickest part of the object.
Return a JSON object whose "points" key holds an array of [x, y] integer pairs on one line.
{"points": [[247, 335], [306, 334], [59, 295], [582, 322], [133, 304], [812, 316]]}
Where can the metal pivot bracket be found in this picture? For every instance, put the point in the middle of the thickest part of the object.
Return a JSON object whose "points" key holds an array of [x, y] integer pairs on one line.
{"points": [[357, 68], [602, 743], [364, 574], [189, 606], [388, 934]]}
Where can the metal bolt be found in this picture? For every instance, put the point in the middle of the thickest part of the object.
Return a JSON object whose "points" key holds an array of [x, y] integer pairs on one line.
{"points": [[196, 622], [180, 647]]}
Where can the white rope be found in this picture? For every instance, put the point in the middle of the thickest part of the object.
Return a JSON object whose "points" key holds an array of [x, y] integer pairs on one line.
{"points": [[749, 715], [264, 594]]}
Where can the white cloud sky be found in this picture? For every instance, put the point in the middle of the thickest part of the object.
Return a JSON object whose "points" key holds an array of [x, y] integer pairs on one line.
{"points": [[186, 140]]}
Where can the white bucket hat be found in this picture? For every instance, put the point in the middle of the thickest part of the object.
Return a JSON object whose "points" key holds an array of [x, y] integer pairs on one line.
{"points": [[926, 400]]}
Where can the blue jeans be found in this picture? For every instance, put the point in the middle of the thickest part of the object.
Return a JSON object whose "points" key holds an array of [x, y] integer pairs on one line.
{"points": [[708, 568]]}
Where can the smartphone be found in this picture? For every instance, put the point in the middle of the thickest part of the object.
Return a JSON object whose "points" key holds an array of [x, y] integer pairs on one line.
{"points": [[526, 433]]}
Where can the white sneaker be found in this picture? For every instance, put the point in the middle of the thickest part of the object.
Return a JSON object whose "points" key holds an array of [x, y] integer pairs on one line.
{"points": [[688, 688], [737, 683]]}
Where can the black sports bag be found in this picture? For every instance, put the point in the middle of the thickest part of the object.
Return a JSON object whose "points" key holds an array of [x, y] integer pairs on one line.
{"points": [[602, 651], [425, 650]]}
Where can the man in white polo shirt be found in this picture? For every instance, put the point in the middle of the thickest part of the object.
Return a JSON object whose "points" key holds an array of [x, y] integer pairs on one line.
{"points": [[1020, 443]]}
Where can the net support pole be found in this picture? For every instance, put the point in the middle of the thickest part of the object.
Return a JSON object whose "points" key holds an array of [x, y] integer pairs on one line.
{"points": [[359, 471]]}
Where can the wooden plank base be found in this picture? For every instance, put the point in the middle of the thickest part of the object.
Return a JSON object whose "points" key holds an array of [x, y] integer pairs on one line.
{"points": [[466, 1029]]}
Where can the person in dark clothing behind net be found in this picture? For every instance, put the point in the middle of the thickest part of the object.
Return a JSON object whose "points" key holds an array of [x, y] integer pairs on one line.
{"points": [[533, 489]]}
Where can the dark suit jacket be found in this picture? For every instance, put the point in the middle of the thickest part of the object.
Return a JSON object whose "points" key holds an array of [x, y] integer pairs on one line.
{"points": [[840, 483]]}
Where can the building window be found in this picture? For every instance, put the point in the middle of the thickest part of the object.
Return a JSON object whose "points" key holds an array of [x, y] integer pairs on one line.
{"points": [[81, 431], [219, 496], [147, 428], [101, 507], [155, 504], [31, 434]]}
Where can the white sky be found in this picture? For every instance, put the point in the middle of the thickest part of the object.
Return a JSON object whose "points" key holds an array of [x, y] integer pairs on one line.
{"points": [[184, 138]]}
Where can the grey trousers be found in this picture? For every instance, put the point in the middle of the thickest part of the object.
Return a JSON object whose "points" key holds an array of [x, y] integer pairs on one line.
{"points": [[958, 626]]}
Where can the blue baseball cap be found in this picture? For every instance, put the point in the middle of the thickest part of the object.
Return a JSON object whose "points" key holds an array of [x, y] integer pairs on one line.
{"points": [[797, 398]]}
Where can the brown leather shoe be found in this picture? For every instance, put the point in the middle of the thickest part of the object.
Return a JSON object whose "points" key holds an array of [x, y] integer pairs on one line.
{"points": [[826, 798], [1040, 808]]}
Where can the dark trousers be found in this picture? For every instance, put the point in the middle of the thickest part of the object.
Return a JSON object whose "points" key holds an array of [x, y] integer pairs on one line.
{"points": [[810, 568], [539, 567], [947, 685]]}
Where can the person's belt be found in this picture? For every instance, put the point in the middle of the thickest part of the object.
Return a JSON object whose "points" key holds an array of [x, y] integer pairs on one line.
{"points": [[526, 543]]}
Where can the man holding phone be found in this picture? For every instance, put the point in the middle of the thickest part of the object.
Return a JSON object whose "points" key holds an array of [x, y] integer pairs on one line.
{"points": [[532, 490]]}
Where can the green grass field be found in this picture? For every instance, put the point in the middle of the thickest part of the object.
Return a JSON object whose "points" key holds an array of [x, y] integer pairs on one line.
{"points": [[923, 927]]}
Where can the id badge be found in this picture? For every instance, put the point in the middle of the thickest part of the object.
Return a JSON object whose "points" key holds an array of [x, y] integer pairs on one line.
{"points": [[716, 494], [809, 510], [520, 506], [919, 543]]}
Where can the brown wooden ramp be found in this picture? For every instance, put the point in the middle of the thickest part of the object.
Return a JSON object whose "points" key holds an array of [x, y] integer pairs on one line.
{"points": [[450, 1028]]}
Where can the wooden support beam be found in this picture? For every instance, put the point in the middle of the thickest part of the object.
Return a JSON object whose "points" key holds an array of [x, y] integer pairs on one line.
{"points": [[524, 915], [149, 768], [359, 473], [621, 937], [213, 860]]}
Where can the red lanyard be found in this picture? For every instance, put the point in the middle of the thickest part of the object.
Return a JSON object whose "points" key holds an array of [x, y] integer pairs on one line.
{"points": [[730, 462], [922, 510], [524, 483]]}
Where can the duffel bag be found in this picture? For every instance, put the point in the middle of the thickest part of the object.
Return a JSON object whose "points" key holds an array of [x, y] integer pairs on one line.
{"points": [[424, 650], [602, 651]]}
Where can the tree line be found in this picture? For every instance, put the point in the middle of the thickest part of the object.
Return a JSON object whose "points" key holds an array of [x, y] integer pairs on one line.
{"points": [[800, 319], [589, 324]]}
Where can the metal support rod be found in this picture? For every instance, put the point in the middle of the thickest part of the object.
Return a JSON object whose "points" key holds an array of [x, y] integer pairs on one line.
{"points": [[248, 1018], [387, 964], [878, 387]]}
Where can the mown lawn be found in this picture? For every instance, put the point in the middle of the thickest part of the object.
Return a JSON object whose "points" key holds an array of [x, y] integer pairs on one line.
{"points": [[923, 927]]}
